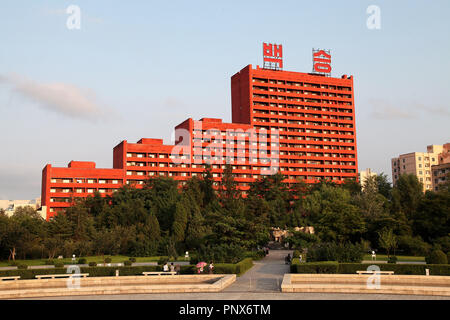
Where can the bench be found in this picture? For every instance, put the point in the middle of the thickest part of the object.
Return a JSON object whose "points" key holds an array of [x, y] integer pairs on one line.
{"points": [[62, 275], [159, 273], [375, 272], [10, 278]]}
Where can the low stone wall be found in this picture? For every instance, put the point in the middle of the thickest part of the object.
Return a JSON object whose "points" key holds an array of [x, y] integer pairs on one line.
{"points": [[114, 285], [347, 283]]}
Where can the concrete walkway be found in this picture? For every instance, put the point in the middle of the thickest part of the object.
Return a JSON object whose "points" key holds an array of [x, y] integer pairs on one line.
{"points": [[265, 276]]}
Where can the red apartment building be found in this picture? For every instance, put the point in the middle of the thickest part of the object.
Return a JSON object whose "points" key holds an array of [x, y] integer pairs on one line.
{"points": [[314, 114], [298, 123]]}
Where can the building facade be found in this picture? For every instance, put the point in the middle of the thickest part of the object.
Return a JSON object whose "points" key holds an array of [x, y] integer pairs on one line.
{"points": [[365, 174], [313, 114], [441, 171], [419, 164], [299, 124], [10, 206]]}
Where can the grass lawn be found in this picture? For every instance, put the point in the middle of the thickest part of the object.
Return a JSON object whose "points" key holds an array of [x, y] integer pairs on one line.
{"points": [[98, 259], [383, 257]]}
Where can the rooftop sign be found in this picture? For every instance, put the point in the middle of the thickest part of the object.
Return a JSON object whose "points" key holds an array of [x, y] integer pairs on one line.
{"points": [[272, 56], [322, 61]]}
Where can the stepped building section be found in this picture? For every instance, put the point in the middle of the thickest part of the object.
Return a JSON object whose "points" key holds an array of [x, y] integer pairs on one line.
{"points": [[299, 124]]}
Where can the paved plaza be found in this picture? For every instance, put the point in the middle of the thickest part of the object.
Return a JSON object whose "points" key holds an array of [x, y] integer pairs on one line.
{"points": [[261, 282]]}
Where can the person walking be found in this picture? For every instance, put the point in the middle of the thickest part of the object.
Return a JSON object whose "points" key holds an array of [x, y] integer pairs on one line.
{"points": [[178, 269], [211, 267], [166, 267], [172, 267]]}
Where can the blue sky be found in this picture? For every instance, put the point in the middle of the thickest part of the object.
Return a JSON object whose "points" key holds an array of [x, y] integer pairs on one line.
{"points": [[138, 68]]}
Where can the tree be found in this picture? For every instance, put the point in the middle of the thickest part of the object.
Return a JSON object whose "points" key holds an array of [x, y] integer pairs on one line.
{"points": [[82, 221], [383, 185], [333, 215], [353, 186], [431, 220], [27, 212], [207, 185], [387, 240], [407, 194], [278, 199], [162, 195], [180, 220], [371, 203]]}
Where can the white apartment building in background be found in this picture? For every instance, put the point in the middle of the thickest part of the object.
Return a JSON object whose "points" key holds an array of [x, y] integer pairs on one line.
{"points": [[11, 205], [363, 175], [419, 164]]}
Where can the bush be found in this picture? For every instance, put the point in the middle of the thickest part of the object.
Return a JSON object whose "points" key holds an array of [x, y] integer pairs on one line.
{"points": [[13, 263], [22, 266], [223, 253], [127, 263], [296, 254], [392, 259], [59, 264], [448, 257], [255, 255], [315, 267], [82, 261], [351, 268], [230, 268], [436, 257], [243, 266], [108, 260], [300, 239], [49, 262], [193, 258], [413, 245], [163, 260], [132, 259], [335, 252], [443, 242], [92, 264]]}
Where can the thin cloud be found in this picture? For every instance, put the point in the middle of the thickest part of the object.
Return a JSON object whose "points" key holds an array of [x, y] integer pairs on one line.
{"points": [[383, 110], [63, 98], [436, 110]]}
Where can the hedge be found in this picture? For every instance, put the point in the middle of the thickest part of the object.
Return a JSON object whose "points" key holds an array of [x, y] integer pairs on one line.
{"points": [[315, 267], [243, 266], [255, 255], [221, 268], [93, 271], [351, 268], [230, 268]]}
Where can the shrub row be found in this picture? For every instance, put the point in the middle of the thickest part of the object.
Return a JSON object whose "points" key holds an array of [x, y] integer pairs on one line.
{"points": [[315, 267], [221, 268], [230, 268], [255, 255], [351, 268], [93, 271]]}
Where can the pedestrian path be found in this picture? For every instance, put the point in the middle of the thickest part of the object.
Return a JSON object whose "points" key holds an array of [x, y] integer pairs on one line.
{"points": [[265, 276]]}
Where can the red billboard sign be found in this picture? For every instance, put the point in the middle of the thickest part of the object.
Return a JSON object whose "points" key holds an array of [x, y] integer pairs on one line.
{"points": [[322, 61], [272, 56]]}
